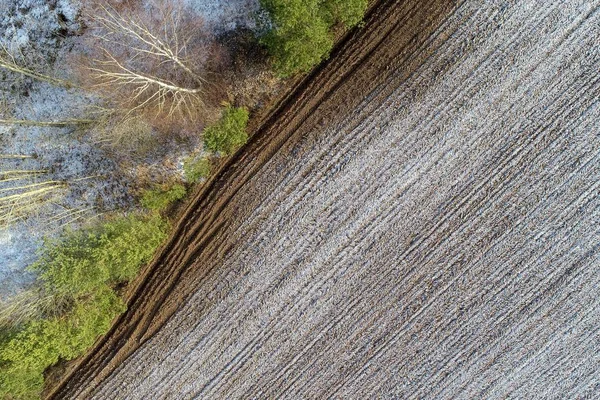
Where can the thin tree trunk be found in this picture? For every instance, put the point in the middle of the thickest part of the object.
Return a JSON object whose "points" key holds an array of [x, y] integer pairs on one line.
{"points": [[61, 123], [35, 75]]}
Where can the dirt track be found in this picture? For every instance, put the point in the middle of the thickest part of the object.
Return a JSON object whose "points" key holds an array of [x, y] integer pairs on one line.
{"points": [[420, 220]]}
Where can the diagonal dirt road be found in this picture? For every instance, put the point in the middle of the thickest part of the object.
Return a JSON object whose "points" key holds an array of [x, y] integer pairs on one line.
{"points": [[420, 219]]}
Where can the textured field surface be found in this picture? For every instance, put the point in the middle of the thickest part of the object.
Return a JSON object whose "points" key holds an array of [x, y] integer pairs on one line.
{"points": [[419, 220]]}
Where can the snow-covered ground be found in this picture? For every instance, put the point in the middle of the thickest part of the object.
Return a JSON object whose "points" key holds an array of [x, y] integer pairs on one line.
{"points": [[37, 27], [224, 15], [38, 32]]}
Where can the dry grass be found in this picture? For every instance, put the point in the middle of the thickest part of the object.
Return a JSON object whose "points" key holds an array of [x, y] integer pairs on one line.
{"points": [[29, 305]]}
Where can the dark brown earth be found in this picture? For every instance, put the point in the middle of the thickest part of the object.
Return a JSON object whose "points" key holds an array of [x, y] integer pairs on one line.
{"points": [[419, 219]]}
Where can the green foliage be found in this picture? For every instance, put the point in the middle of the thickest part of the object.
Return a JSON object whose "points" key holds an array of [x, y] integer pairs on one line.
{"points": [[229, 133], [84, 261], [300, 35], [6, 334], [83, 266], [196, 169], [299, 38], [348, 12], [160, 198], [88, 320], [42, 343]]}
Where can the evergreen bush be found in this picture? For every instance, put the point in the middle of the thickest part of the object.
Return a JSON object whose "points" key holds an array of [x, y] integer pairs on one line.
{"points": [[300, 34], [229, 133], [196, 169], [83, 261], [84, 266], [160, 198]]}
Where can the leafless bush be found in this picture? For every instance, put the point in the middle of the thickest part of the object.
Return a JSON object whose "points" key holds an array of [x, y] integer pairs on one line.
{"points": [[132, 136]]}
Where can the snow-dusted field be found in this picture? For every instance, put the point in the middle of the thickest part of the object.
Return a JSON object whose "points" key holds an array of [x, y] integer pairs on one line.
{"points": [[39, 32]]}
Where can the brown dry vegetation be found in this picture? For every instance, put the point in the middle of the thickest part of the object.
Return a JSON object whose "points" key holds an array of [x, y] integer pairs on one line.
{"points": [[155, 62]]}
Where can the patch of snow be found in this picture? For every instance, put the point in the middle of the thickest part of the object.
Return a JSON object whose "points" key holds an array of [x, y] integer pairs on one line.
{"points": [[18, 248], [225, 15], [37, 27]]}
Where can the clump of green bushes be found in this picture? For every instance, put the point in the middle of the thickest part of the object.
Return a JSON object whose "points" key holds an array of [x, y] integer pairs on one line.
{"points": [[159, 198], [300, 34], [43, 343], [84, 267], [196, 168], [85, 260], [229, 134]]}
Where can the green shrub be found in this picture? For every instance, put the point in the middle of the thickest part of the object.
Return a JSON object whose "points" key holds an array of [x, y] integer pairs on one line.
{"points": [[83, 266], [42, 343], [229, 133], [299, 38], [160, 198], [196, 169], [300, 30], [84, 261], [348, 12]]}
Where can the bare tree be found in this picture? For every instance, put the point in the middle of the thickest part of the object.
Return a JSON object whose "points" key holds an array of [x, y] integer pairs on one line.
{"points": [[150, 60]]}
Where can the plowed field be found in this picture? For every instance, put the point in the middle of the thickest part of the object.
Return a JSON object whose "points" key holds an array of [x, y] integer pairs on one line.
{"points": [[419, 219]]}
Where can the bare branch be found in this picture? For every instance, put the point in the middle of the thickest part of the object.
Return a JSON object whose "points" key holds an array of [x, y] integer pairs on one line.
{"points": [[14, 156], [22, 193], [7, 61]]}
